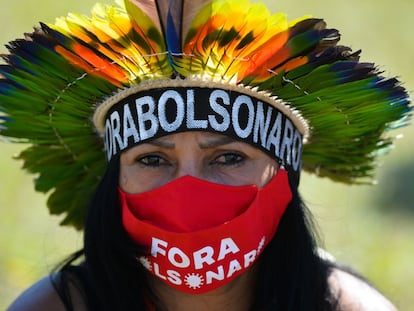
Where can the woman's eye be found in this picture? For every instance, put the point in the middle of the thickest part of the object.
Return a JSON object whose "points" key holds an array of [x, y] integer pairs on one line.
{"points": [[229, 159], [152, 161]]}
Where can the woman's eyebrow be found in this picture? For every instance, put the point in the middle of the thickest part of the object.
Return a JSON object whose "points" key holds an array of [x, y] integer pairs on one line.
{"points": [[161, 143], [215, 142]]}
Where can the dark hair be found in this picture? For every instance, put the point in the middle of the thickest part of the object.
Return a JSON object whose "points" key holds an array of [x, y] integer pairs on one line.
{"points": [[292, 275]]}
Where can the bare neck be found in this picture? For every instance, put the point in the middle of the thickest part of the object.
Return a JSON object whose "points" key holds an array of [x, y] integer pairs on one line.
{"points": [[235, 296]]}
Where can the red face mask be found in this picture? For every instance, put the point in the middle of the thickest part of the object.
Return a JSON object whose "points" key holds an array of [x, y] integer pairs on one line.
{"points": [[201, 235]]}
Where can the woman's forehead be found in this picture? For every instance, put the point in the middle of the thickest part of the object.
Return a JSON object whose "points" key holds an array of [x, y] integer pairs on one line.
{"points": [[201, 136], [202, 139]]}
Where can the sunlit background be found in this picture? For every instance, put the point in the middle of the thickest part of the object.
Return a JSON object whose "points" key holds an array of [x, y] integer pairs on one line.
{"points": [[368, 227]]}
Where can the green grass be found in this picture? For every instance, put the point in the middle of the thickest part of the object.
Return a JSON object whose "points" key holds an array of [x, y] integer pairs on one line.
{"points": [[360, 225]]}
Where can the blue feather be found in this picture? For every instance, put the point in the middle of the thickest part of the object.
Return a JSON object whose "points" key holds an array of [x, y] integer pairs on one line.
{"points": [[173, 36]]}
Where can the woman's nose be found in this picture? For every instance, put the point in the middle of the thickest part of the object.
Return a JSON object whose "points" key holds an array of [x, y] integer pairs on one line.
{"points": [[189, 167]]}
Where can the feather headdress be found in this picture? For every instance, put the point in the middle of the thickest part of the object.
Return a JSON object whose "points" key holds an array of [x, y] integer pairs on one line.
{"points": [[56, 78]]}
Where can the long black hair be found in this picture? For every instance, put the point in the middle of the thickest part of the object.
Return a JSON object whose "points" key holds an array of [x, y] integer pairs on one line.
{"points": [[292, 275]]}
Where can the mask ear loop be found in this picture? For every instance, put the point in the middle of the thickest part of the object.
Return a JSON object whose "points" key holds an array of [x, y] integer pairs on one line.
{"points": [[294, 177], [281, 164]]}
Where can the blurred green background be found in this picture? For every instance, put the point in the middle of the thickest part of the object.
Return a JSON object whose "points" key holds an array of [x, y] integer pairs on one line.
{"points": [[368, 227]]}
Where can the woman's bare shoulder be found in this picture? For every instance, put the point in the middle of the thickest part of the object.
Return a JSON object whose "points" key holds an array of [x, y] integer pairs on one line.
{"points": [[43, 296], [40, 296], [355, 294]]}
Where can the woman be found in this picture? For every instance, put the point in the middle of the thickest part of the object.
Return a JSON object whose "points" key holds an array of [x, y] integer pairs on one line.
{"points": [[198, 208]]}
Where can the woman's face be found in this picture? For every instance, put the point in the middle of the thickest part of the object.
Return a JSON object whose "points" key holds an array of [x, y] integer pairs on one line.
{"points": [[209, 156]]}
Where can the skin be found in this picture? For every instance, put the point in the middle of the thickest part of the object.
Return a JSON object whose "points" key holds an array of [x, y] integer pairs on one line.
{"points": [[212, 157]]}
